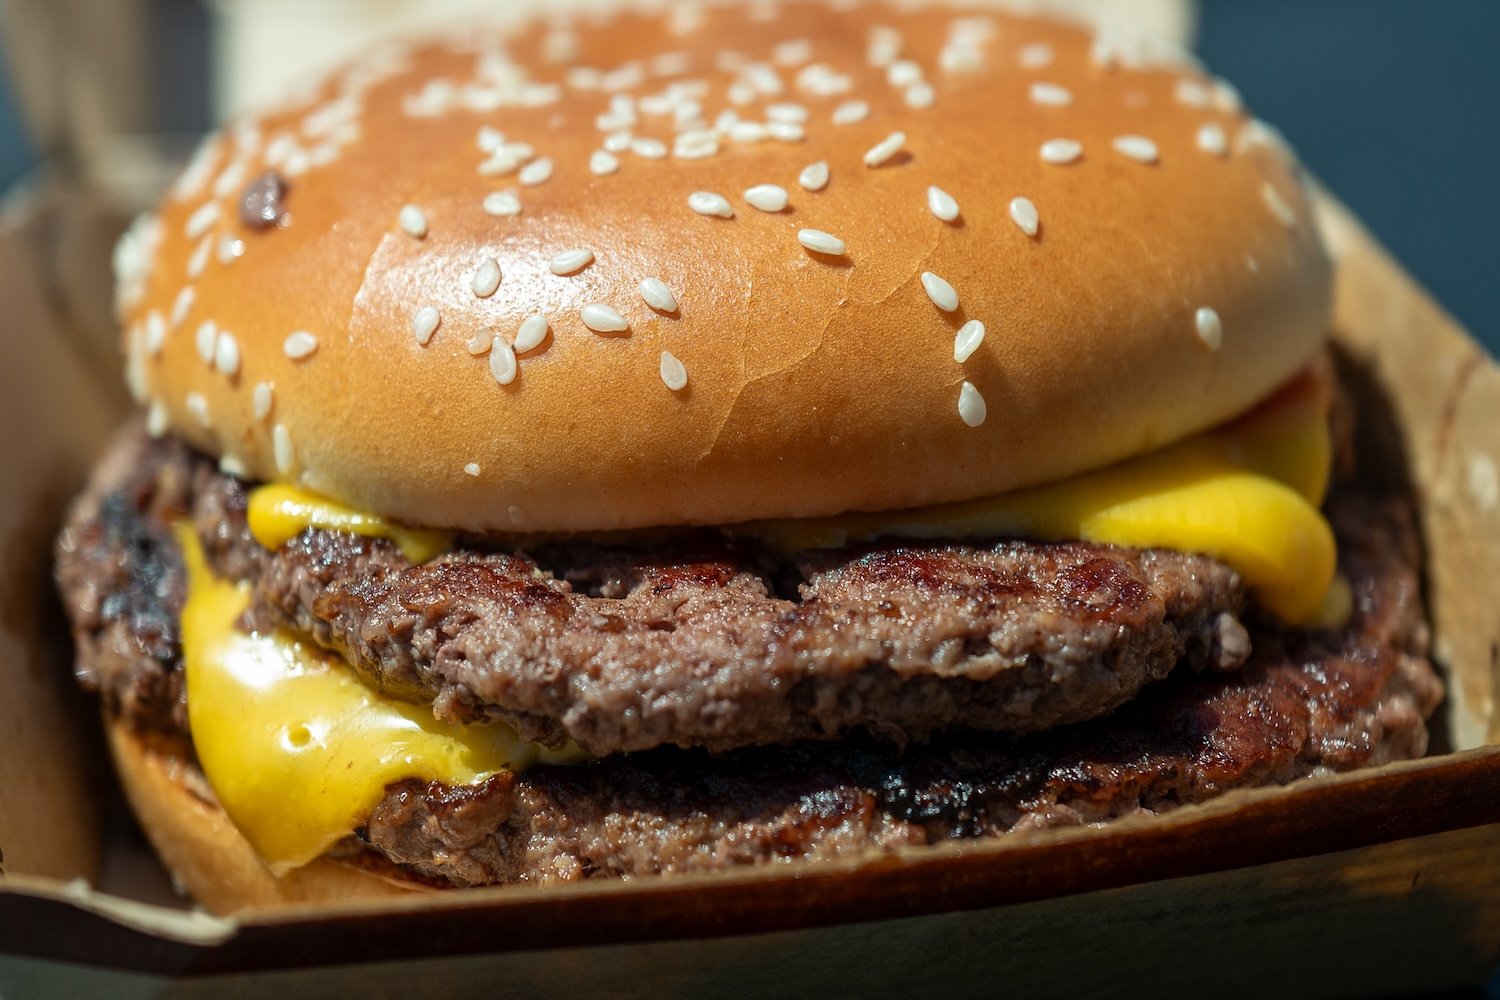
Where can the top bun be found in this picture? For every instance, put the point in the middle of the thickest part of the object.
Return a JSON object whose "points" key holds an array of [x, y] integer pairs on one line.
{"points": [[1170, 275]]}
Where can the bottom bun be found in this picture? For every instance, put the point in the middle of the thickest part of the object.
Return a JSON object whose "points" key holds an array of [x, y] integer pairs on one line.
{"points": [[211, 860]]}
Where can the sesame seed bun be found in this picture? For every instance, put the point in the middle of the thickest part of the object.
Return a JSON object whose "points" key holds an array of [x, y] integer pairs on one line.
{"points": [[205, 854], [1141, 255]]}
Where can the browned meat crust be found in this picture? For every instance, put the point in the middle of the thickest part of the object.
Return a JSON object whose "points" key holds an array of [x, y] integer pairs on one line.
{"points": [[1307, 702], [688, 644]]}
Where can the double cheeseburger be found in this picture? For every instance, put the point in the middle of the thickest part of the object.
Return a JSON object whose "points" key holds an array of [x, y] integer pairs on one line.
{"points": [[731, 436]]}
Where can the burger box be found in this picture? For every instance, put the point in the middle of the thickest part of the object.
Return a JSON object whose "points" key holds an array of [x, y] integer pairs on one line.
{"points": [[1380, 881]]}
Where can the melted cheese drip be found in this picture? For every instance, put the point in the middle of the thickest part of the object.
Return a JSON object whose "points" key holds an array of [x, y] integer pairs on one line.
{"points": [[297, 748], [279, 513], [1246, 493]]}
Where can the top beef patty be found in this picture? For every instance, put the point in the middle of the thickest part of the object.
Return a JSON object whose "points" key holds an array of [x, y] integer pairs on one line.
{"points": [[702, 642], [1307, 702]]}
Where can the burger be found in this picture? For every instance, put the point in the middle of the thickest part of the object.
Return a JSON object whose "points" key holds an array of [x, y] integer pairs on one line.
{"points": [[681, 440]]}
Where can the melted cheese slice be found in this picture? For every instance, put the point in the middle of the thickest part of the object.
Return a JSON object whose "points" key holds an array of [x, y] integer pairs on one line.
{"points": [[297, 748], [278, 513], [1246, 493]]}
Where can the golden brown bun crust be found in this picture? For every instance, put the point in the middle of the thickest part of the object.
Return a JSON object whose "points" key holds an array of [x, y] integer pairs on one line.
{"points": [[816, 384], [207, 856]]}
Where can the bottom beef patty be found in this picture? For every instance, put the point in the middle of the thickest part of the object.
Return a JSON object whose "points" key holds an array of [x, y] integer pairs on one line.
{"points": [[1304, 702]]}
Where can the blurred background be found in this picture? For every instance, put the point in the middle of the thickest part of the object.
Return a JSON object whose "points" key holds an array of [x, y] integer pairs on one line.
{"points": [[1390, 102]]}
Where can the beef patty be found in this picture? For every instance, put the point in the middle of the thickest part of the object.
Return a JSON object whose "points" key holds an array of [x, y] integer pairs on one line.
{"points": [[1306, 701], [686, 643]]}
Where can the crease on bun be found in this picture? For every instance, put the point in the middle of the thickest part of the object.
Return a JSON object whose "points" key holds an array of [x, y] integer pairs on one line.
{"points": [[1174, 277]]}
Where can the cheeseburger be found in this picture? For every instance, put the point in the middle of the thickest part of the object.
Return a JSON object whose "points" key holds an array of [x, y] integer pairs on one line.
{"points": [[727, 436]]}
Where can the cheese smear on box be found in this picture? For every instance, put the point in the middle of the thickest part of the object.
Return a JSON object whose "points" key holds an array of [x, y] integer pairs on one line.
{"points": [[299, 750]]}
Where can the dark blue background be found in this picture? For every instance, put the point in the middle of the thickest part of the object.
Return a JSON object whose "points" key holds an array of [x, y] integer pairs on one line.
{"points": [[1393, 103]]}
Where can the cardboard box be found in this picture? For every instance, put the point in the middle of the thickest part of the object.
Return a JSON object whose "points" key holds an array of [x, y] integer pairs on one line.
{"points": [[1383, 880], [1379, 881]]}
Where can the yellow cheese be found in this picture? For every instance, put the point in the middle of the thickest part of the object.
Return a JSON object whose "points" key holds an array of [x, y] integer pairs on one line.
{"points": [[279, 513], [1246, 494], [298, 749]]}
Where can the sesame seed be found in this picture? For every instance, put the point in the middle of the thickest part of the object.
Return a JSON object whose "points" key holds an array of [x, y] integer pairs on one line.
{"points": [[227, 354], [786, 131], [851, 112], [230, 250], [617, 142], [156, 333], [490, 138], [902, 73], [1225, 96], [673, 374], [479, 344], [299, 345], [792, 53], [885, 149], [413, 221], [502, 361], [260, 400], [814, 176], [603, 162], [486, 278], [1278, 205], [820, 242], [232, 466], [940, 292], [1210, 329], [180, 306], [1023, 213], [1061, 151], [1136, 147], [202, 220], [741, 94], [920, 95], [786, 112], [967, 340], [157, 420], [747, 132], [531, 333], [648, 149], [198, 407], [767, 197], [1252, 264], [1191, 92], [942, 204], [708, 203], [1211, 139], [282, 450], [424, 323], [502, 204], [658, 296], [206, 337], [971, 408], [198, 262], [961, 57], [1051, 95], [536, 172], [602, 319], [696, 144], [1037, 55], [472, 469], [570, 261]]}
